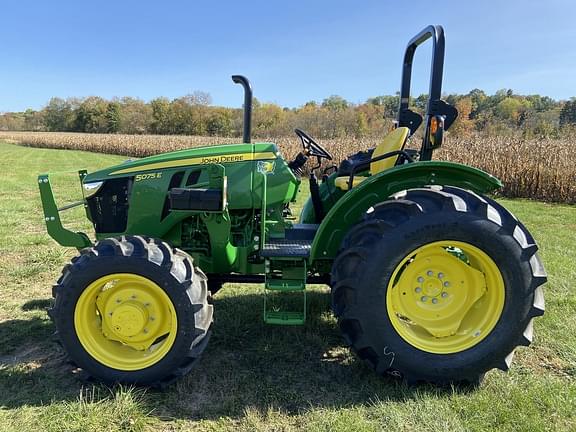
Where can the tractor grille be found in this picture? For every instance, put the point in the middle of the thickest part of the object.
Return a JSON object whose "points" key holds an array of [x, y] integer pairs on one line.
{"points": [[109, 206]]}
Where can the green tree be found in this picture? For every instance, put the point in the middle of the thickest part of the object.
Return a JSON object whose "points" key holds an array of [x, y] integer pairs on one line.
{"points": [[136, 116], [160, 116], [421, 102], [91, 115], [335, 103], [512, 109], [267, 119], [568, 113], [541, 103], [219, 122], [389, 104], [113, 117], [478, 99], [361, 124], [58, 115]]}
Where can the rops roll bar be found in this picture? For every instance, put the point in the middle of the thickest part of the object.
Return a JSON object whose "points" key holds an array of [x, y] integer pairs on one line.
{"points": [[435, 106]]}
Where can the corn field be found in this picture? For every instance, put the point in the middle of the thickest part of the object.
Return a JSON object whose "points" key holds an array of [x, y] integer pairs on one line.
{"points": [[541, 169]]}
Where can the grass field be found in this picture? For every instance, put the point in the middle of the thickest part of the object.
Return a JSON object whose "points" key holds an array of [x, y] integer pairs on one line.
{"points": [[252, 376]]}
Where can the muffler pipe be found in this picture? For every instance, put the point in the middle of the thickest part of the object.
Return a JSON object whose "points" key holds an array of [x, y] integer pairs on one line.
{"points": [[239, 79]]}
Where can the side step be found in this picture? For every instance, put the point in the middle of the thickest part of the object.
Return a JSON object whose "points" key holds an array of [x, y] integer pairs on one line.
{"points": [[285, 317], [286, 248], [284, 277]]}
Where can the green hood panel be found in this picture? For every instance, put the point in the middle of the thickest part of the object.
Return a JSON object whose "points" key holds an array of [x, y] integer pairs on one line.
{"points": [[226, 153], [140, 189]]}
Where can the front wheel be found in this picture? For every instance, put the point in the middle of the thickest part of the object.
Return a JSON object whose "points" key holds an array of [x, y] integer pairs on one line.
{"points": [[438, 284], [132, 310]]}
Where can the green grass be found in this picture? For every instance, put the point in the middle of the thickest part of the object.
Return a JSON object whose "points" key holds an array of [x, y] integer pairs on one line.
{"points": [[252, 376]]}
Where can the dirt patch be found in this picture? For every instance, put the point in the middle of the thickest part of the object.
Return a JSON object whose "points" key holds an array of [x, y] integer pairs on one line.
{"points": [[31, 357], [545, 362]]}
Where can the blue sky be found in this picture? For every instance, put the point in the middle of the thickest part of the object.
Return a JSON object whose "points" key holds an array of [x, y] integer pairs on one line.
{"points": [[292, 51]]}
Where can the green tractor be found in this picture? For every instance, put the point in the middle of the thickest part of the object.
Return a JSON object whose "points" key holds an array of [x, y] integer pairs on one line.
{"points": [[430, 279]]}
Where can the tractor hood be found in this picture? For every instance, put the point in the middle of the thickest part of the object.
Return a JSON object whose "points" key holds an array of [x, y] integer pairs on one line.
{"points": [[221, 154]]}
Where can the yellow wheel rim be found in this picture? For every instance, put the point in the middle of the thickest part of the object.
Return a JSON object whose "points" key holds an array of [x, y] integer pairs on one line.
{"points": [[125, 321], [445, 297]]}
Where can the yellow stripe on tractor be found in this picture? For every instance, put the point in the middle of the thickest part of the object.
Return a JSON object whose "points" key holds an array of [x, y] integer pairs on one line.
{"points": [[220, 159]]}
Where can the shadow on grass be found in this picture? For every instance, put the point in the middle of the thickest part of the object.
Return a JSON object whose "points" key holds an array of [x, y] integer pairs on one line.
{"points": [[33, 369], [247, 365], [37, 304], [251, 365]]}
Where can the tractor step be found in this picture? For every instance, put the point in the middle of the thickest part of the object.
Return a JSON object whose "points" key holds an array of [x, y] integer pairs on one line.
{"points": [[285, 280], [285, 285], [286, 248], [284, 318]]}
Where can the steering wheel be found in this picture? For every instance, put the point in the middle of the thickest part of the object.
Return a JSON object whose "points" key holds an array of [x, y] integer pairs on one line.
{"points": [[311, 147]]}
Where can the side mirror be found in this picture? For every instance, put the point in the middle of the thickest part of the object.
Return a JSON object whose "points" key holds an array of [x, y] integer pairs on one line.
{"points": [[436, 131]]}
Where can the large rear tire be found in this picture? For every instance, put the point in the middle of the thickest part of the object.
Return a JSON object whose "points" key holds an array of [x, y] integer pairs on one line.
{"points": [[132, 310], [439, 285]]}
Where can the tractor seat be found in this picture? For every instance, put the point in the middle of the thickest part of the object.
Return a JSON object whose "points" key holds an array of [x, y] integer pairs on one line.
{"points": [[394, 141]]}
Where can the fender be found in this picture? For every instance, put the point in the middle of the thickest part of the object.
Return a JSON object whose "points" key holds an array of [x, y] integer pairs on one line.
{"points": [[350, 208]]}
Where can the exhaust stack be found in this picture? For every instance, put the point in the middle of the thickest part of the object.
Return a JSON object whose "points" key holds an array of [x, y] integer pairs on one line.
{"points": [[239, 79]]}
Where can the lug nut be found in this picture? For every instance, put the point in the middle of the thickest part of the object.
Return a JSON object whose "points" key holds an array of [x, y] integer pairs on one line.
{"points": [[446, 284], [444, 294], [152, 318], [440, 275], [424, 298], [430, 273], [434, 300], [420, 279], [145, 330], [417, 289]]}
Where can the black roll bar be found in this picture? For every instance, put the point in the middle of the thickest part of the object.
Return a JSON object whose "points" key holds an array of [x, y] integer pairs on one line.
{"points": [[435, 106]]}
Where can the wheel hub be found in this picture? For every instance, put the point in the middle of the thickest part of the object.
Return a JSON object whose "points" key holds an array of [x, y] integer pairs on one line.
{"points": [[128, 319], [132, 314], [441, 298], [432, 287], [125, 321]]}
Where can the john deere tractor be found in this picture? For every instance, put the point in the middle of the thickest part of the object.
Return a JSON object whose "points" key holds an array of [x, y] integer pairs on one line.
{"points": [[431, 280]]}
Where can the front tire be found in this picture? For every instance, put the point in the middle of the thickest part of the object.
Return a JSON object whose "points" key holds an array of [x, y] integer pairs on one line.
{"points": [[439, 285], [132, 310]]}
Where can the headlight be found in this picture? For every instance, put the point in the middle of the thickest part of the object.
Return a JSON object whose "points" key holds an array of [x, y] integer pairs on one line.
{"points": [[91, 188]]}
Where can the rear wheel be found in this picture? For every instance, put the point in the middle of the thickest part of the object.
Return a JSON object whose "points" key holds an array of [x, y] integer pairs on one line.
{"points": [[132, 310], [438, 284]]}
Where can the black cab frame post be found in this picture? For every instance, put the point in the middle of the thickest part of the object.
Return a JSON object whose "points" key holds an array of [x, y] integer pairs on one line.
{"points": [[435, 106], [239, 79]]}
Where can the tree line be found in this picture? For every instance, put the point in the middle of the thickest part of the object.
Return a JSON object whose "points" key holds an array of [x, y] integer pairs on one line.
{"points": [[501, 113]]}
